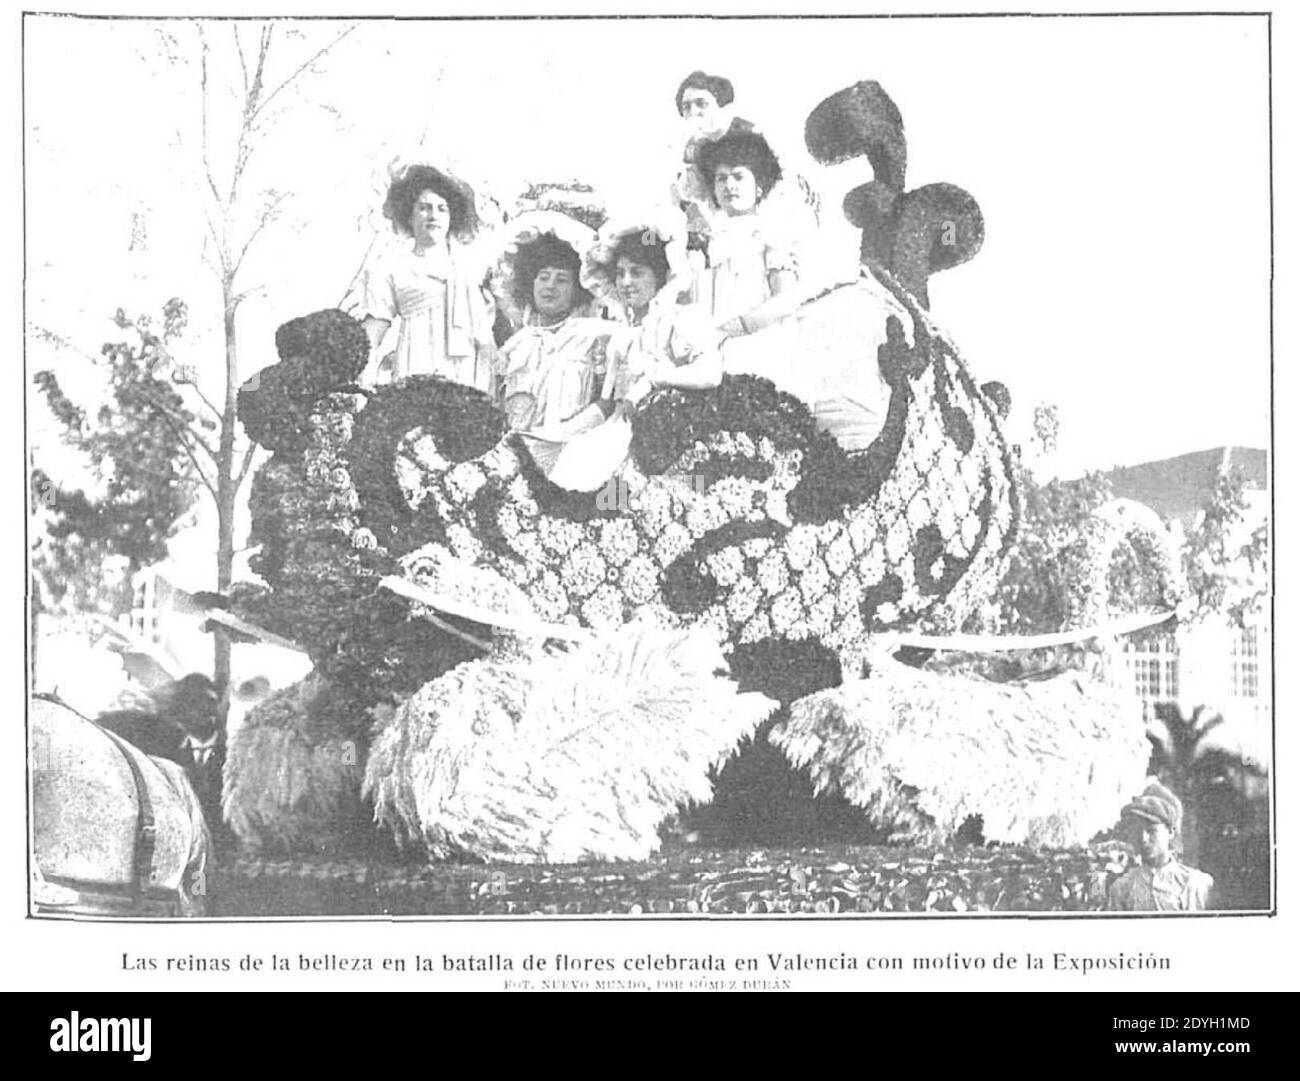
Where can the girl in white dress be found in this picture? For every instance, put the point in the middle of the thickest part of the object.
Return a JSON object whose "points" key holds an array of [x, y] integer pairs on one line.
{"points": [[752, 278], [444, 316]]}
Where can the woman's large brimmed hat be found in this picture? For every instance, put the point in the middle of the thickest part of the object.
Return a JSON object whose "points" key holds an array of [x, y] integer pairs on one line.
{"points": [[741, 142], [528, 236], [665, 226], [405, 185]]}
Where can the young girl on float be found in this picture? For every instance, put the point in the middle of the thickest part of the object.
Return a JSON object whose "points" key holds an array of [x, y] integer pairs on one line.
{"points": [[639, 269], [751, 282]]}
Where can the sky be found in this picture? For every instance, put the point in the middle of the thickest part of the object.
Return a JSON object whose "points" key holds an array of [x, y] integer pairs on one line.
{"points": [[1121, 165]]}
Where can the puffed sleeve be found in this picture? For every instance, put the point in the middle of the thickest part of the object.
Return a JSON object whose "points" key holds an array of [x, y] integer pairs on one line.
{"points": [[377, 295]]}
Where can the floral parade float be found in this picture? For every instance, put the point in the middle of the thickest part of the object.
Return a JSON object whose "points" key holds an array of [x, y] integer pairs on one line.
{"points": [[509, 670]]}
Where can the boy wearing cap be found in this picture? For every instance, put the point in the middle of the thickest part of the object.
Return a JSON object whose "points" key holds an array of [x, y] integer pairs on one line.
{"points": [[1161, 883]]}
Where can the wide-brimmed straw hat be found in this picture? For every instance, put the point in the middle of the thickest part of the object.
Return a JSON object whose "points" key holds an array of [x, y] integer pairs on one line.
{"points": [[523, 235], [667, 226]]}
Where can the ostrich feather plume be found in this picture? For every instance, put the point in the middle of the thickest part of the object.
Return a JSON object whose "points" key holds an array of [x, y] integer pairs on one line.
{"points": [[560, 757], [1049, 762]]}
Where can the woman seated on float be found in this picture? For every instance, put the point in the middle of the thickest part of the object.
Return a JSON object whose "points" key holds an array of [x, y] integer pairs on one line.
{"points": [[551, 366], [444, 316], [659, 344]]}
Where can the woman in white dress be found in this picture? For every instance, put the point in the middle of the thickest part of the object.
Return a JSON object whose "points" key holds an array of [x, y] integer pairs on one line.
{"points": [[658, 343], [444, 315], [551, 367]]}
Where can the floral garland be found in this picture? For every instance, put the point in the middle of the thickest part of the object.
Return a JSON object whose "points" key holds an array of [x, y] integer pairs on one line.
{"points": [[467, 426], [319, 353], [1115, 523], [551, 499], [672, 422], [313, 554], [841, 570]]}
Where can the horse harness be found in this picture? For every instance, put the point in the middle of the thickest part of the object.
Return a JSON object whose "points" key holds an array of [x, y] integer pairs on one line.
{"points": [[141, 896]]}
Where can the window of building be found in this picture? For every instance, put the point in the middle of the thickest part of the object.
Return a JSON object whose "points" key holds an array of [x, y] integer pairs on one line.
{"points": [[1153, 660], [1245, 663]]}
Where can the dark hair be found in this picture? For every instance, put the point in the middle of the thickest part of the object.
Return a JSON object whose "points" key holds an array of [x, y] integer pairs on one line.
{"points": [[720, 88], [638, 247], [406, 188], [547, 250], [741, 145]]}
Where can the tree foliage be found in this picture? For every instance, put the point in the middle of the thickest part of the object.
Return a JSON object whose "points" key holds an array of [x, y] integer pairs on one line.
{"points": [[139, 446], [1227, 568], [236, 88], [1040, 590]]}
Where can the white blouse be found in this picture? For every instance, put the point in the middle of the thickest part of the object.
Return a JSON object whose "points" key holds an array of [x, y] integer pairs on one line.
{"points": [[557, 367], [445, 318]]}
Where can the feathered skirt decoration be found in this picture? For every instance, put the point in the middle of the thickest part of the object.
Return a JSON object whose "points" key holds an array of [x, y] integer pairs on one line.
{"points": [[1049, 762], [289, 787], [560, 757]]}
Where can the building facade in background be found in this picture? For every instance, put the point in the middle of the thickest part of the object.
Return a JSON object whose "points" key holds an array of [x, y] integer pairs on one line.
{"points": [[1209, 663]]}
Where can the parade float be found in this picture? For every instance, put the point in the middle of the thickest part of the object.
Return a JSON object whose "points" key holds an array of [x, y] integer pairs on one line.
{"points": [[510, 671]]}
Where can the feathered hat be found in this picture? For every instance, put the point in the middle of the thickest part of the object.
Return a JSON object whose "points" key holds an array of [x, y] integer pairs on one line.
{"points": [[535, 239], [666, 227]]}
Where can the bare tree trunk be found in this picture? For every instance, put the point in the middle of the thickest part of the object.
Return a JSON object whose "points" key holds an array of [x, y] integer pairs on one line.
{"points": [[226, 491]]}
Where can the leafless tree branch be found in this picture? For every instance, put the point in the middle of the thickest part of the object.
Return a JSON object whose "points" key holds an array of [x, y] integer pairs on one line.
{"points": [[300, 69], [206, 401], [244, 466], [212, 491], [239, 298], [239, 49], [183, 432], [203, 115], [55, 338], [356, 276], [268, 212], [244, 147], [218, 242]]}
